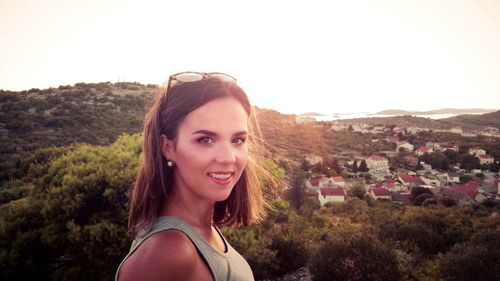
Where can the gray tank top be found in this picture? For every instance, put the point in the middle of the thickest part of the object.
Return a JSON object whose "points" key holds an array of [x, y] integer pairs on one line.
{"points": [[228, 266]]}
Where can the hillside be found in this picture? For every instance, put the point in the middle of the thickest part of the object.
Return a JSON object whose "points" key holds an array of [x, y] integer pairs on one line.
{"points": [[400, 121], [436, 111], [467, 121], [471, 121], [95, 113]]}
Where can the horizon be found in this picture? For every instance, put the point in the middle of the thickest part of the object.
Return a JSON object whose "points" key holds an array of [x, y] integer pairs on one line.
{"points": [[293, 57], [469, 110]]}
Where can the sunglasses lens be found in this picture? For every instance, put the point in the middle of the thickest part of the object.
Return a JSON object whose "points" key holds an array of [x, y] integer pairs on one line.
{"points": [[223, 76], [188, 77]]}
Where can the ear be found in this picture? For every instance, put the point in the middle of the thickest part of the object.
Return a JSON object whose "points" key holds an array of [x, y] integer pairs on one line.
{"points": [[167, 148]]}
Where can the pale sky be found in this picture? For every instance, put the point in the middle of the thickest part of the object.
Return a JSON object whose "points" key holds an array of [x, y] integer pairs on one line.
{"points": [[291, 56]]}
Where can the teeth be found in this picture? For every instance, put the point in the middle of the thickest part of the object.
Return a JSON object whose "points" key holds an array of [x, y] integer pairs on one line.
{"points": [[220, 176]]}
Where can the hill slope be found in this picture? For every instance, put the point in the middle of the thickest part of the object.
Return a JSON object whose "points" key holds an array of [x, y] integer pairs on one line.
{"points": [[470, 120], [95, 113]]}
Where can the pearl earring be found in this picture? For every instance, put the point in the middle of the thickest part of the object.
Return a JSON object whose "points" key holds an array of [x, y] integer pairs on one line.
{"points": [[170, 163]]}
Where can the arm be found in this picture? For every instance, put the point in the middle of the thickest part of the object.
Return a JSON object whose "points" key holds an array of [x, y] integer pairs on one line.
{"points": [[165, 256]]}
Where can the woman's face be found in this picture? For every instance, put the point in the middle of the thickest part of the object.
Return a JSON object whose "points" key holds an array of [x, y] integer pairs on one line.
{"points": [[210, 150]]}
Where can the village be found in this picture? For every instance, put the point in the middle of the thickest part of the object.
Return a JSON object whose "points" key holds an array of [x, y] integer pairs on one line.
{"points": [[381, 180]]}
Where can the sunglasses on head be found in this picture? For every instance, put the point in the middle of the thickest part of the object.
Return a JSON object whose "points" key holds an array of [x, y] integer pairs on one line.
{"points": [[191, 76]]}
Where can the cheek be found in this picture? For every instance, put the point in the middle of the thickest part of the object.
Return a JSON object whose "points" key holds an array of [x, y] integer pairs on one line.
{"points": [[243, 157]]}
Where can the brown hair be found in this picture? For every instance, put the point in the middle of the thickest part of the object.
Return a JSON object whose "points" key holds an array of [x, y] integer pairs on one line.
{"points": [[154, 182]]}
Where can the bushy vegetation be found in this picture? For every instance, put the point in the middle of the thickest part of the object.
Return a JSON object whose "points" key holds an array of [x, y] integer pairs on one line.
{"points": [[65, 191]]}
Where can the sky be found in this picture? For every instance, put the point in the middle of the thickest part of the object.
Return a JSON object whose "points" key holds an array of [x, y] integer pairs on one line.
{"points": [[290, 56]]}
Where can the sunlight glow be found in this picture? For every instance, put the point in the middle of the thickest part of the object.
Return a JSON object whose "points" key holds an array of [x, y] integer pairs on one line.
{"points": [[292, 56]]}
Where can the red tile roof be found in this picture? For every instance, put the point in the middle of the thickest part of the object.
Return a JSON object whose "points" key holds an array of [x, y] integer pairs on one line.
{"points": [[380, 191], [389, 182], [377, 158], [486, 156], [314, 182], [338, 179], [469, 189], [332, 191], [423, 149], [407, 178]]}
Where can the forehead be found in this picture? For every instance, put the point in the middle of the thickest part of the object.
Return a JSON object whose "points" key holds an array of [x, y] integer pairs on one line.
{"points": [[219, 115]]}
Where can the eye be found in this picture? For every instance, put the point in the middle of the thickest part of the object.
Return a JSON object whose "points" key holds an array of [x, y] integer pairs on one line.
{"points": [[239, 140], [205, 140]]}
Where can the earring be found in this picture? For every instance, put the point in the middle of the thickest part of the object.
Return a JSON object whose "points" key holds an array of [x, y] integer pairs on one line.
{"points": [[170, 164]]}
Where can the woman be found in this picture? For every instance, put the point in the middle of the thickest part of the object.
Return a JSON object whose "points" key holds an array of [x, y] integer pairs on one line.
{"points": [[196, 174]]}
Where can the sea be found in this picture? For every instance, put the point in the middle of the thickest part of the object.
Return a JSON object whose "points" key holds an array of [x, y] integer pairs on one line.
{"points": [[334, 117]]}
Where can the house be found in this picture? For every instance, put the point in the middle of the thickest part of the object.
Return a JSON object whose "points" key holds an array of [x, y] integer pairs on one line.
{"points": [[446, 146], [411, 160], [477, 151], [431, 181], [470, 188], [425, 166], [404, 144], [331, 194], [377, 165], [467, 133], [313, 184], [313, 159], [380, 193], [402, 197], [456, 130], [486, 159], [452, 178], [389, 153], [408, 181], [339, 180], [464, 194], [393, 138], [460, 197], [430, 145], [414, 130], [423, 149]]}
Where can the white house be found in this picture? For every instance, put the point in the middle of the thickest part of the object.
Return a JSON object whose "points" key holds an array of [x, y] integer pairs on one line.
{"points": [[431, 181], [414, 130], [377, 164], [331, 194], [486, 159], [313, 159], [452, 178], [456, 130], [406, 145], [477, 151]]}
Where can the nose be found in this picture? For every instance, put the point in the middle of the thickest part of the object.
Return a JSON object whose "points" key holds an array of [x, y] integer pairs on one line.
{"points": [[226, 153]]}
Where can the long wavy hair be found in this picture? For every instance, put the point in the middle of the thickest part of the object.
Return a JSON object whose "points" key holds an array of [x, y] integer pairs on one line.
{"points": [[152, 186]]}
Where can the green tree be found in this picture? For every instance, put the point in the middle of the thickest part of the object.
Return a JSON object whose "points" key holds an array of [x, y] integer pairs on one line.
{"points": [[355, 167], [298, 192], [363, 167], [357, 190], [477, 259], [354, 257]]}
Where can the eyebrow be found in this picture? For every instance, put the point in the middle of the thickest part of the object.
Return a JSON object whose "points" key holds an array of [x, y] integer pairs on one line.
{"points": [[212, 134]]}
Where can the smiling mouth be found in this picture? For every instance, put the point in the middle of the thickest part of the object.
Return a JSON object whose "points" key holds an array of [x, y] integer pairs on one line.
{"points": [[221, 176]]}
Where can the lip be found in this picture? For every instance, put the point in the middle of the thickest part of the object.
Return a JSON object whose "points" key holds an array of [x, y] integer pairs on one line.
{"points": [[223, 181]]}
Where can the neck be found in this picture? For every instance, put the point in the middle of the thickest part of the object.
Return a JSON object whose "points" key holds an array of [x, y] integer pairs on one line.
{"points": [[197, 214]]}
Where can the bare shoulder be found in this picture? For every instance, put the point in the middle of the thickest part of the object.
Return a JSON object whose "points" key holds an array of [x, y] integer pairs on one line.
{"points": [[167, 255]]}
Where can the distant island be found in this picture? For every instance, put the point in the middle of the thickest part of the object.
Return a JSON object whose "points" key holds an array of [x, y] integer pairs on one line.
{"points": [[311, 114], [437, 111]]}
